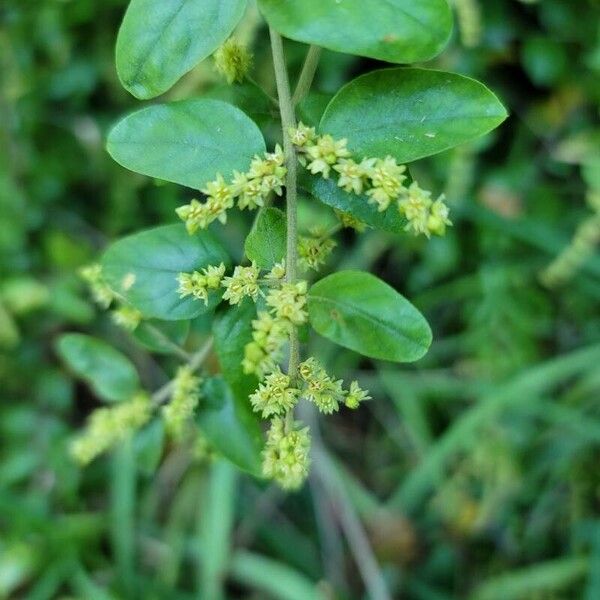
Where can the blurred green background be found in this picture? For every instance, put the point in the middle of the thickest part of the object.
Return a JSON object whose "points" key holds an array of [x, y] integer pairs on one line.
{"points": [[473, 474]]}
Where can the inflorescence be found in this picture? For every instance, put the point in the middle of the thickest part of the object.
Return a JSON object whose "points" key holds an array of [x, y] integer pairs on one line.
{"points": [[382, 180], [281, 308]]}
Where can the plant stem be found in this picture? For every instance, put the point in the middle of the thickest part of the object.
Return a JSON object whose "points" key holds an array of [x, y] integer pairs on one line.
{"points": [[311, 62], [288, 120]]}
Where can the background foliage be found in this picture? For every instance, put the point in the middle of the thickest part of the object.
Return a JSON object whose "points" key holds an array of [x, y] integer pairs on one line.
{"points": [[474, 471]]}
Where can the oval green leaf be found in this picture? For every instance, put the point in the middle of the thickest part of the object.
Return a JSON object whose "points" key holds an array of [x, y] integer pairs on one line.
{"points": [[265, 244], [398, 31], [161, 41], [230, 426], [186, 142], [143, 268], [110, 374], [411, 113], [360, 312]]}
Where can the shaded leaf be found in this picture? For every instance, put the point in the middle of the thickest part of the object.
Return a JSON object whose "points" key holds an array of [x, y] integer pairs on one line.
{"points": [[266, 242], [110, 374], [230, 426]]}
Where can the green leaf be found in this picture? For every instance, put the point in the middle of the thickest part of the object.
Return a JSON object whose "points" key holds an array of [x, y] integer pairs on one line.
{"points": [[143, 268], [148, 445], [249, 98], [230, 426], [110, 374], [160, 41], [272, 577], [265, 244], [399, 31], [328, 192], [359, 311], [411, 113], [159, 336], [232, 330], [186, 142]]}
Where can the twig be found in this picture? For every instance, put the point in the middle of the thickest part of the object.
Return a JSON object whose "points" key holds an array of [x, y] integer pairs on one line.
{"points": [[311, 62], [162, 394], [349, 521]]}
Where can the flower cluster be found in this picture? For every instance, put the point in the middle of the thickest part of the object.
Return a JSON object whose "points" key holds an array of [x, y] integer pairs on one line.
{"points": [[314, 251], [275, 396], [108, 426], [233, 61], [289, 302], [265, 176], [350, 221], [184, 399], [127, 317], [100, 290], [198, 284], [269, 336], [324, 391], [285, 456], [243, 282], [380, 179], [287, 308]]}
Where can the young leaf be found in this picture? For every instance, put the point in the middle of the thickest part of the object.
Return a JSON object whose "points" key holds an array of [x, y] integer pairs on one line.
{"points": [[411, 113], [110, 374], [398, 31], [328, 192], [265, 243], [359, 311], [143, 268], [186, 142], [230, 426], [160, 41], [232, 330]]}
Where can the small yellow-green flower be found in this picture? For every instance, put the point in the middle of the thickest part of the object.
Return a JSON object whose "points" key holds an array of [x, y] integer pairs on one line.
{"points": [[353, 175], [184, 399], [415, 205], [325, 153], [386, 178], [243, 282], [438, 217], [289, 302], [350, 221], [302, 135], [314, 251], [356, 395], [250, 192], [233, 61], [108, 426], [101, 292], [275, 396], [127, 317], [325, 392], [286, 454]]}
